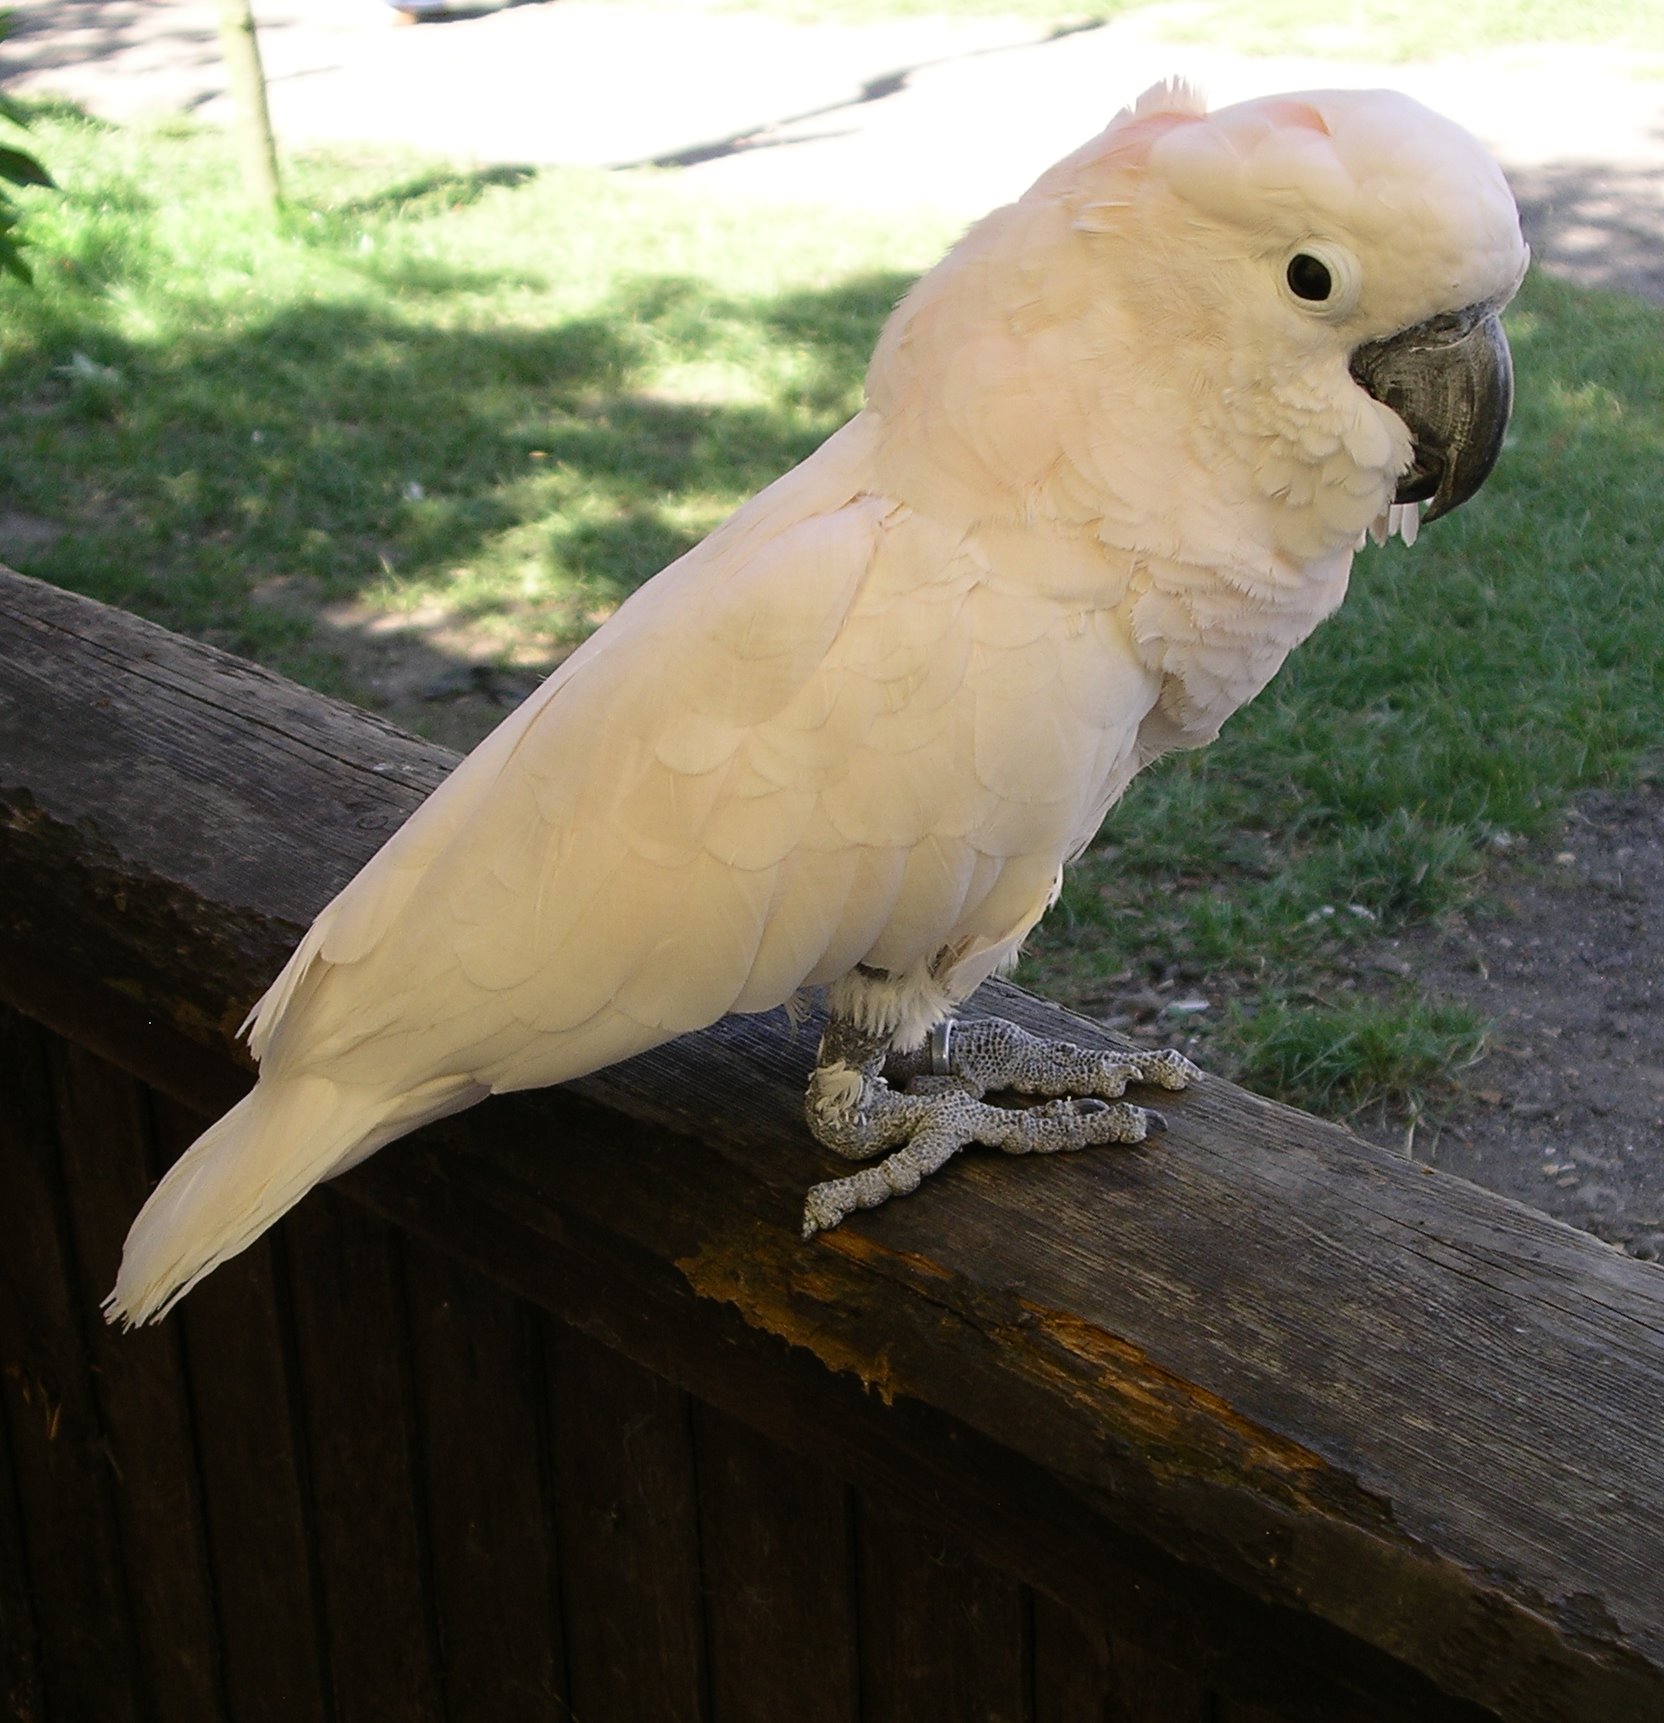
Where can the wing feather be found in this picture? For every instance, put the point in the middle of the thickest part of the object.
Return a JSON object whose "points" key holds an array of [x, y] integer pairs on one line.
{"points": [[828, 737]]}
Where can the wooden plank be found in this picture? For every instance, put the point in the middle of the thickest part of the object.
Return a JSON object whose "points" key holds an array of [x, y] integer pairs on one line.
{"points": [[367, 1521], [482, 1401], [260, 1538], [1087, 1675], [1233, 1711], [1074, 1680], [989, 1498], [89, 1664], [626, 1509], [21, 1694], [1270, 1360], [780, 1600], [1148, 1690], [103, 1126], [943, 1636]]}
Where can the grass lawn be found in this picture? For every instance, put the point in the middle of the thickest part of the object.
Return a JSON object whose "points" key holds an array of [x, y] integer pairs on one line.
{"points": [[1408, 30], [491, 404], [489, 401], [1362, 29]]}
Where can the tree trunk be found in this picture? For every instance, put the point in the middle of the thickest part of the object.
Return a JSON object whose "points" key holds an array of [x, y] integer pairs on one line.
{"points": [[248, 90]]}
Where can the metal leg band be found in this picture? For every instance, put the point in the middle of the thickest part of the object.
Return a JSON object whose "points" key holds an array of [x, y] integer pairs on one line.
{"points": [[941, 1049]]}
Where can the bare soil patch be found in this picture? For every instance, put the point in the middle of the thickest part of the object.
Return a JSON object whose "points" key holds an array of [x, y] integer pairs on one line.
{"points": [[1565, 955]]}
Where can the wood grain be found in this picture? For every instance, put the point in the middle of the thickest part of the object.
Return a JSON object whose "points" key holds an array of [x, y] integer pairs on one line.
{"points": [[90, 1660], [21, 1695], [144, 1397], [477, 1366], [944, 1636], [255, 1485], [628, 1523], [779, 1579], [369, 1543], [1087, 1676], [1385, 1422]]}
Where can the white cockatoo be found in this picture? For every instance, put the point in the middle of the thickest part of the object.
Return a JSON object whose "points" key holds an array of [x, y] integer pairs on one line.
{"points": [[1117, 452]]}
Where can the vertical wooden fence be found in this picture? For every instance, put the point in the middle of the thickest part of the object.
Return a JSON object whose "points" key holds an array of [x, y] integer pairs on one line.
{"points": [[355, 1479]]}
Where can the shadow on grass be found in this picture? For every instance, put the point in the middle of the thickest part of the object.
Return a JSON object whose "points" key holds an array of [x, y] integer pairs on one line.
{"points": [[444, 188], [381, 505]]}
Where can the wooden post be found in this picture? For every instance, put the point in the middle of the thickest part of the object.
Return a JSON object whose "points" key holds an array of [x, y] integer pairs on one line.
{"points": [[241, 44]]}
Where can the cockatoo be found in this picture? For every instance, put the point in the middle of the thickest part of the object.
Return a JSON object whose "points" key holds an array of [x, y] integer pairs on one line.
{"points": [[1117, 452]]}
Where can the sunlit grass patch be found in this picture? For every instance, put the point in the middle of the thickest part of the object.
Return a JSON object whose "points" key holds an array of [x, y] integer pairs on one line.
{"points": [[1378, 30], [1358, 1054], [1394, 30], [504, 397]]}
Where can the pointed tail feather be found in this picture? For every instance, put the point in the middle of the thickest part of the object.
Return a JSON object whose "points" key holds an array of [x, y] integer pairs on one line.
{"points": [[242, 1174]]}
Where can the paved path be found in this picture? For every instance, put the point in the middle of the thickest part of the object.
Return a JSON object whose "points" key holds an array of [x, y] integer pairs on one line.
{"points": [[950, 113]]}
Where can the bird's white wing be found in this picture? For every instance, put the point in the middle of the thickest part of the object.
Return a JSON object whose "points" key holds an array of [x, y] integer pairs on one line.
{"points": [[548, 867], [836, 741]]}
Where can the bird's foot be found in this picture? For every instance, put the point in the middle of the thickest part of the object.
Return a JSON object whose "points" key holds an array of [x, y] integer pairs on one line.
{"points": [[926, 1106]]}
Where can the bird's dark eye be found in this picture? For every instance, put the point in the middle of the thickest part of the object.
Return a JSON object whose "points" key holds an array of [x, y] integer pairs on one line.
{"points": [[1309, 278]]}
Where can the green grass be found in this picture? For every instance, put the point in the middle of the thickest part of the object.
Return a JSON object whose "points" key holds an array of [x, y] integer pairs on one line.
{"points": [[493, 403], [1391, 30], [1411, 30], [1355, 1055]]}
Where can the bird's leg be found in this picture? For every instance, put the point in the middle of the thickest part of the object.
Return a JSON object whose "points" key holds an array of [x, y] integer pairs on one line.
{"points": [[926, 1106]]}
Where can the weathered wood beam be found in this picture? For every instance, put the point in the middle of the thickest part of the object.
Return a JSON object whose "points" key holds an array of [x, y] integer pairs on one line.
{"points": [[1328, 1426]]}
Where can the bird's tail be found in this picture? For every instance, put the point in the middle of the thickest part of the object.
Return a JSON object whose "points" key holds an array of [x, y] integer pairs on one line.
{"points": [[286, 1135]]}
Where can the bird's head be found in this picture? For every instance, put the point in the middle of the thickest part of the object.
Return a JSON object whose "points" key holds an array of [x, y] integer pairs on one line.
{"points": [[1246, 332], [1347, 252]]}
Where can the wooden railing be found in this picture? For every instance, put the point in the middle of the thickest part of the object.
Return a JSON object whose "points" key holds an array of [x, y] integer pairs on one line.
{"points": [[548, 1412]]}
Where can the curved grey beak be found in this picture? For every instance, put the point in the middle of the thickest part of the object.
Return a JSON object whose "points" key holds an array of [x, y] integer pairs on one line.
{"points": [[1451, 380]]}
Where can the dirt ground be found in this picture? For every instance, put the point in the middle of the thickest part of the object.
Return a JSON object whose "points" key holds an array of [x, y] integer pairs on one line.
{"points": [[1562, 955], [1565, 1111]]}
